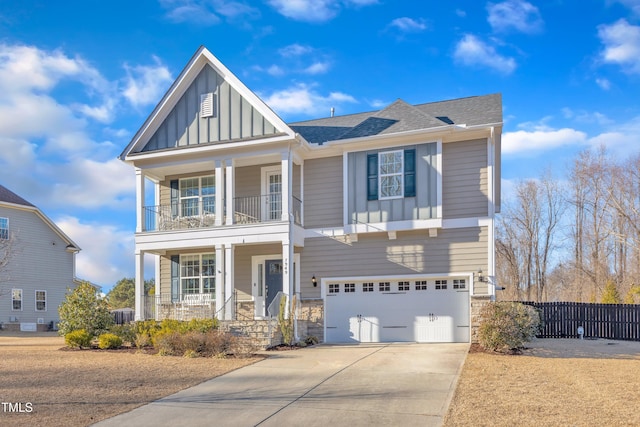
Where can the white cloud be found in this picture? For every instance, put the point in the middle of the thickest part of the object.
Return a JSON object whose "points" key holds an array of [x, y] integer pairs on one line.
{"points": [[302, 99], [145, 84], [634, 5], [408, 25], [621, 42], [107, 251], [471, 51], [207, 12], [604, 84], [533, 142], [518, 15], [314, 10], [294, 50], [317, 68]]}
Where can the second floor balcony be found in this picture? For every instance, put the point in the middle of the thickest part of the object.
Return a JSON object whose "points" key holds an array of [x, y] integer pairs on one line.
{"points": [[201, 213]]}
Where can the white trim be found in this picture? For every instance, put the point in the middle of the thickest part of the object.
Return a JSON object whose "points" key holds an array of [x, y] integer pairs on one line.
{"points": [[45, 300], [8, 228], [140, 193], [265, 172], [439, 180], [230, 190], [200, 276], [229, 261], [345, 188], [21, 299]]}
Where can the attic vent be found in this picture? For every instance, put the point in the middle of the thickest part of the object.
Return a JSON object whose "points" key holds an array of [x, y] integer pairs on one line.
{"points": [[206, 105]]}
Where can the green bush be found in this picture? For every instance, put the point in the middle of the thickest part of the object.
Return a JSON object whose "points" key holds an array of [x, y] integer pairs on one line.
{"points": [[83, 309], [126, 332], [506, 326], [109, 340], [78, 339]]}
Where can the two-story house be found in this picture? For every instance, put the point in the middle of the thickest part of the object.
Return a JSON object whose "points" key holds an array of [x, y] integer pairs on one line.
{"points": [[381, 223], [37, 265]]}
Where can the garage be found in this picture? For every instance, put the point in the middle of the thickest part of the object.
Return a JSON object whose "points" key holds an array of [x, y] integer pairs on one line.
{"points": [[415, 309]]}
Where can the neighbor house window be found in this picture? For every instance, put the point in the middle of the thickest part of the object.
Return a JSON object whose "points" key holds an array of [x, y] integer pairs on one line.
{"points": [[16, 299], [198, 274], [4, 228], [41, 300], [391, 174]]}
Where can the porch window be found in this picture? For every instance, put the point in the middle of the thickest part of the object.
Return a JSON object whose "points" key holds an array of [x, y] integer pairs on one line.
{"points": [[4, 228], [41, 300], [198, 274], [16, 299], [197, 196]]}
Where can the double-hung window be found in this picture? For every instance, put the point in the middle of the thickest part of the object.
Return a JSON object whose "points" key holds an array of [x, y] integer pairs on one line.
{"points": [[16, 299], [41, 300], [391, 174], [198, 274], [4, 228], [197, 195]]}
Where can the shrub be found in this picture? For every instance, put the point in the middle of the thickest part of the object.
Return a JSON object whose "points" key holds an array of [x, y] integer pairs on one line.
{"points": [[142, 340], [78, 339], [83, 309], [311, 340], [126, 332], [109, 340], [168, 343], [506, 326]]}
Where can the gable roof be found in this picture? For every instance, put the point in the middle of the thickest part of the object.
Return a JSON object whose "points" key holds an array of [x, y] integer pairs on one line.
{"points": [[196, 64], [400, 116], [9, 196], [10, 199]]}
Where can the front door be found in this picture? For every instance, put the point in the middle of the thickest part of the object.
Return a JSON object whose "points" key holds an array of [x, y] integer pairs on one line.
{"points": [[273, 282]]}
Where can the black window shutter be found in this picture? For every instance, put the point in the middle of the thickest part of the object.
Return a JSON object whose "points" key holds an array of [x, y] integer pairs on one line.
{"points": [[372, 176], [175, 197], [175, 277], [410, 173]]}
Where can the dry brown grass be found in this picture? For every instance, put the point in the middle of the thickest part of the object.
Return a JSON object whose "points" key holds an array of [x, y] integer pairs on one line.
{"points": [[81, 387], [553, 383]]}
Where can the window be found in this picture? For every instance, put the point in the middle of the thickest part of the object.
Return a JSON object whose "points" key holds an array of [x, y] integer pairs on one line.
{"points": [[403, 286], [391, 174], [385, 286], [421, 285], [367, 287], [198, 274], [459, 284], [41, 300], [441, 284], [4, 228], [334, 288], [197, 196], [349, 287], [16, 299]]}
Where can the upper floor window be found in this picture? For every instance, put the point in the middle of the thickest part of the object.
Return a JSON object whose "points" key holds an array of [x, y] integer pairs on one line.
{"points": [[391, 174], [195, 196], [4, 228]]}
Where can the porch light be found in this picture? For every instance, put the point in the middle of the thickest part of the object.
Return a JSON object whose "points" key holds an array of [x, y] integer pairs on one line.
{"points": [[481, 278], [314, 281]]}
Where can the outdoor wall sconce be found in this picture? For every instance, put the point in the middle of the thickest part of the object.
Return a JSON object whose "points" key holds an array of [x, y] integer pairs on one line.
{"points": [[481, 278], [314, 281]]}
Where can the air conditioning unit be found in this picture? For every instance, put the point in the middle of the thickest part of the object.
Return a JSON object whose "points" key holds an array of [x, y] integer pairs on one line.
{"points": [[40, 321]]}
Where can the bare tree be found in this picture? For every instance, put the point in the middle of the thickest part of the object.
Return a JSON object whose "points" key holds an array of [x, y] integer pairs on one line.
{"points": [[7, 252]]}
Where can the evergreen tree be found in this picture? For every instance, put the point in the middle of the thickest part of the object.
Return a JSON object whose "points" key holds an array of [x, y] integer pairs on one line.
{"points": [[610, 294], [82, 308]]}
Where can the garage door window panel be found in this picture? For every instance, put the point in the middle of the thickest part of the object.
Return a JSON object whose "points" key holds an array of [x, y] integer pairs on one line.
{"points": [[384, 287], [421, 285]]}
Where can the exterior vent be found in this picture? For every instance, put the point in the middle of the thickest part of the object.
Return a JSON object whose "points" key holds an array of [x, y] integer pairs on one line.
{"points": [[206, 104], [40, 321], [13, 319]]}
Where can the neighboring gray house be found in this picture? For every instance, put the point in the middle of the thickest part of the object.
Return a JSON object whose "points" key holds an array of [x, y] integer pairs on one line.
{"points": [[37, 265], [381, 223]]}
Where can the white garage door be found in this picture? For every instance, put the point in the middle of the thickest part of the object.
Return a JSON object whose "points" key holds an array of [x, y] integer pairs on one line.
{"points": [[383, 310]]}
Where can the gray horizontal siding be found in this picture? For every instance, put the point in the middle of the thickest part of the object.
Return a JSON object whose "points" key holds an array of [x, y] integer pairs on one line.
{"points": [[323, 192], [456, 250], [40, 261], [234, 117], [464, 179]]}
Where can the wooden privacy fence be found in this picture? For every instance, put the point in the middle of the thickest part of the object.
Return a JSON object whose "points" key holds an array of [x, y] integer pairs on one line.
{"points": [[612, 321]]}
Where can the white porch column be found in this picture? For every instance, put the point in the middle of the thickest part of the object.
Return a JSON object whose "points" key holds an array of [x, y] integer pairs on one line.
{"points": [[220, 281], [158, 296], [228, 281], [220, 187], [230, 190], [287, 184], [287, 271], [140, 214], [139, 287]]}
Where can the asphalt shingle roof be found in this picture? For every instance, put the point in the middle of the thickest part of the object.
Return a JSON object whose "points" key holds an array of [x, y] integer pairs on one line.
{"points": [[9, 196], [400, 116]]}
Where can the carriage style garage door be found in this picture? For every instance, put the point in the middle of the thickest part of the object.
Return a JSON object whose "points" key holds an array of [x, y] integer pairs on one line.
{"points": [[384, 310]]}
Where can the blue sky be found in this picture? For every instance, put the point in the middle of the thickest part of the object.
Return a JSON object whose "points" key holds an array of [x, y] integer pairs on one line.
{"points": [[77, 79]]}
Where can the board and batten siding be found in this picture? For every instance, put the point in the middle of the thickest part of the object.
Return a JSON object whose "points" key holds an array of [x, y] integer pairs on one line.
{"points": [[461, 250], [40, 262], [422, 206], [233, 116], [323, 192], [465, 185]]}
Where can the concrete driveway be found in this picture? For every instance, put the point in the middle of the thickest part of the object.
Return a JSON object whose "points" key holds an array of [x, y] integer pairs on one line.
{"points": [[325, 385]]}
